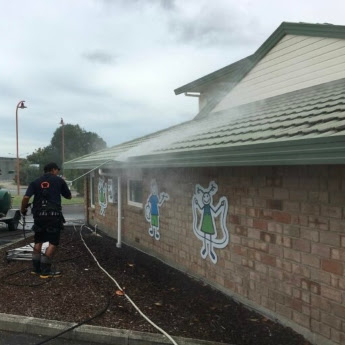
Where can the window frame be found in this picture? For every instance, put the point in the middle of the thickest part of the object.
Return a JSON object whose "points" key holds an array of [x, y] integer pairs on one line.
{"points": [[130, 202]]}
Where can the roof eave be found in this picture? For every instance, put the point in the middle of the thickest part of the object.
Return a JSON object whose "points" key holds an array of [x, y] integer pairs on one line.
{"points": [[329, 150]]}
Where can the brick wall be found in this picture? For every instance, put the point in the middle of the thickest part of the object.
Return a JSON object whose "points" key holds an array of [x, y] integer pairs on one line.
{"points": [[287, 239]]}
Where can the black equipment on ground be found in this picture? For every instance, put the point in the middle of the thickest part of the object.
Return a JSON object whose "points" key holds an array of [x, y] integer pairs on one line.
{"points": [[8, 215]]}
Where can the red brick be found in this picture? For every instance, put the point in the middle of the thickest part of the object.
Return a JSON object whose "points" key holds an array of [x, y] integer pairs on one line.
{"points": [[332, 266], [281, 193], [254, 233], [299, 219], [321, 303], [291, 254], [320, 328], [260, 224], [275, 227], [337, 198], [284, 310], [321, 250], [268, 259], [312, 235], [239, 250], [330, 238], [332, 294], [276, 296], [275, 250], [274, 204], [281, 217], [336, 225], [338, 310], [321, 223], [268, 303], [320, 276], [310, 208], [331, 320], [292, 230], [241, 231], [310, 260], [234, 219], [337, 337], [266, 192], [318, 196], [267, 237], [301, 245], [338, 254], [301, 319], [331, 211], [299, 195], [291, 206]]}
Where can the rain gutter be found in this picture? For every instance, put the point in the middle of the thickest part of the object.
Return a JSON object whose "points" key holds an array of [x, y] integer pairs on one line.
{"points": [[330, 150]]}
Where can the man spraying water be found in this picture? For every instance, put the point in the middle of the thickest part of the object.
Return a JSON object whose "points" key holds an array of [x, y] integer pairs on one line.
{"points": [[48, 218]]}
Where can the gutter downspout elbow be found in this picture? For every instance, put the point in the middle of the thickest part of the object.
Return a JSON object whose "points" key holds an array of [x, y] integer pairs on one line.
{"points": [[119, 216]]}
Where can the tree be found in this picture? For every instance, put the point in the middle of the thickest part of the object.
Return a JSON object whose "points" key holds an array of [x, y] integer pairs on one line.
{"points": [[77, 142]]}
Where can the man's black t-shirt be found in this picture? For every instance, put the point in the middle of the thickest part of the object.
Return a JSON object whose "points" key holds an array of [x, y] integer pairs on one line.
{"points": [[57, 187]]}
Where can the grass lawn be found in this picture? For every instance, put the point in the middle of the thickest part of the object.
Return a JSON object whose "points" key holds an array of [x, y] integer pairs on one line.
{"points": [[17, 200]]}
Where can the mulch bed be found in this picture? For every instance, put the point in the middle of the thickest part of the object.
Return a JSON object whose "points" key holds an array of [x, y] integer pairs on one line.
{"points": [[180, 305]]}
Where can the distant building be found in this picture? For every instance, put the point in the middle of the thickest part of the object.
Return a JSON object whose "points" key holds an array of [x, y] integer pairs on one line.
{"points": [[7, 168]]}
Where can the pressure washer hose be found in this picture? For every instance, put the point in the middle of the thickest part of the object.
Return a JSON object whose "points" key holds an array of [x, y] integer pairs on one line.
{"points": [[119, 287]]}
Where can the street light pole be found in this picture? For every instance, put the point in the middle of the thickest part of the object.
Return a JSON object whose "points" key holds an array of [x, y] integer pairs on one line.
{"points": [[62, 144], [20, 105]]}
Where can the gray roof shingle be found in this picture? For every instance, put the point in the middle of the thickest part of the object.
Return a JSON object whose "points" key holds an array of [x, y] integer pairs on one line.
{"points": [[313, 113]]}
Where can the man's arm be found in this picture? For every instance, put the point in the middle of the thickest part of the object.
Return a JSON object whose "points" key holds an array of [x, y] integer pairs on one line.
{"points": [[25, 203], [65, 191]]}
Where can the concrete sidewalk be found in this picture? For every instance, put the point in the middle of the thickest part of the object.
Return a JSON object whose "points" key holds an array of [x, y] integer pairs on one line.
{"points": [[87, 333]]}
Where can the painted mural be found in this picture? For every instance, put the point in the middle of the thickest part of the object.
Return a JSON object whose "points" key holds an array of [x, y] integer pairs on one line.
{"points": [[204, 215], [154, 202], [102, 195]]}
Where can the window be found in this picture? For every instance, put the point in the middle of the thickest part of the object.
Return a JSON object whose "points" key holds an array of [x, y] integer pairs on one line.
{"points": [[92, 190], [135, 192]]}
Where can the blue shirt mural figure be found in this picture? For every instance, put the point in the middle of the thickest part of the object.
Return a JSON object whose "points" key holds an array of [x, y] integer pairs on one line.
{"points": [[204, 214], [152, 209]]}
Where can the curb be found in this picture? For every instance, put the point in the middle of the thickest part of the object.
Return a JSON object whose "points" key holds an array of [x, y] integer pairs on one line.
{"points": [[97, 334]]}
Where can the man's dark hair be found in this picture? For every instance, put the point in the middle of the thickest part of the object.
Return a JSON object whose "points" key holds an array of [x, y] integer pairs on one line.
{"points": [[50, 166]]}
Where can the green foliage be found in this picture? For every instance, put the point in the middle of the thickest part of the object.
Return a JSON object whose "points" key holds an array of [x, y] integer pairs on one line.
{"points": [[77, 142], [28, 172]]}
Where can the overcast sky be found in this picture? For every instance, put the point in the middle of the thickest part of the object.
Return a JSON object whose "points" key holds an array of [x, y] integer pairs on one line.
{"points": [[111, 66]]}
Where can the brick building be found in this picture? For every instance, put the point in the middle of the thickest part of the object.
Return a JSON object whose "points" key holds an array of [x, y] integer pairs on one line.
{"points": [[248, 196], [7, 168]]}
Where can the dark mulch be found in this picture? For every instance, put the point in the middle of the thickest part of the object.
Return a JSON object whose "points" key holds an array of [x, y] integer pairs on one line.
{"points": [[179, 304]]}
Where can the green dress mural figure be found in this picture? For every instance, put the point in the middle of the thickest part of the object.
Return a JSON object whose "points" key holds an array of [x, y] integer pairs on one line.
{"points": [[154, 202], [204, 214]]}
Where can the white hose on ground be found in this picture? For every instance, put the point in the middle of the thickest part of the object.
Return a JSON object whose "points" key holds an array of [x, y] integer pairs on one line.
{"points": [[119, 287]]}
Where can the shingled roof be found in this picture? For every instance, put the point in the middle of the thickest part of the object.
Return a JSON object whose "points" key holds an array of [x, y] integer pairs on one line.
{"points": [[302, 127]]}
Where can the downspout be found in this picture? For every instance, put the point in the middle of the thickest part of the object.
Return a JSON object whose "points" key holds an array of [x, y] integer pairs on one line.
{"points": [[119, 216]]}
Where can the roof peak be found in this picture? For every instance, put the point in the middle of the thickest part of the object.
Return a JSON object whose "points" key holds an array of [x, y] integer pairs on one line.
{"points": [[237, 70]]}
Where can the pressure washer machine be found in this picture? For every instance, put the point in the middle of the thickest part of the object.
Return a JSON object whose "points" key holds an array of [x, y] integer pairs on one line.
{"points": [[8, 215]]}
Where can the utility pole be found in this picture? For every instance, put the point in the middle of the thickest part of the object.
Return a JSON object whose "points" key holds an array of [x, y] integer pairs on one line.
{"points": [[62, 144]]}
